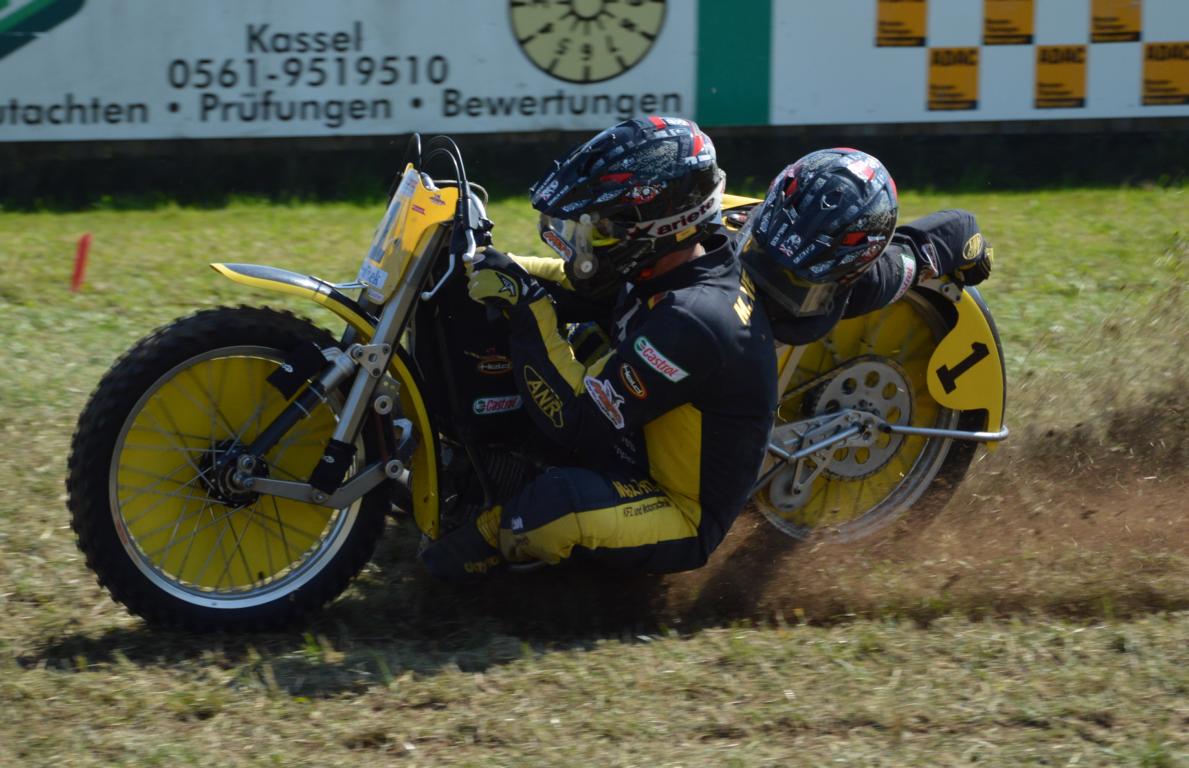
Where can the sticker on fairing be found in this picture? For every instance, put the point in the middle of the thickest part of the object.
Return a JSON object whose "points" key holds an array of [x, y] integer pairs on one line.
{"points": [[606, 398], [408, 185], [555, 241], [657, 361], [487, 406], [372, 276]]}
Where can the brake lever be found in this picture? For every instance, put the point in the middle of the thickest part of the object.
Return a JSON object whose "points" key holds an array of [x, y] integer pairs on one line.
{"points": [[468, 257]]}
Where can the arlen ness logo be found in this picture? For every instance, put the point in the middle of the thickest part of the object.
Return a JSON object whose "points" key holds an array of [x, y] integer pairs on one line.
{"points": [[21, 21], [586, 41]]}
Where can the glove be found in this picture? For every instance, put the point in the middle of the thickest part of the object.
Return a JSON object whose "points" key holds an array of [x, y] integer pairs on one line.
{"points": [[971, 266], [495, 277], [975, 265]]}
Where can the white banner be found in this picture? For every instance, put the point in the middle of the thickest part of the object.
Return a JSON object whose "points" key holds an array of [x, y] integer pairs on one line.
{"points": [[167, 69], [827, 67], [153, 69]]}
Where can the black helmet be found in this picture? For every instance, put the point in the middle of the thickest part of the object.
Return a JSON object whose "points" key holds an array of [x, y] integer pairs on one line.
{"points": [[633, 193], [825, 219]]}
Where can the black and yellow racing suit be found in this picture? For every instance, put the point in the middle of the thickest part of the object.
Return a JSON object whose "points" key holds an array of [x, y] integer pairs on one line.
{"points": [[670, 425]]}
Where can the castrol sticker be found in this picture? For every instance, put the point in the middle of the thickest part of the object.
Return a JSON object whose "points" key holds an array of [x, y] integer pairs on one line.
{"points": [[657, 361], [487, 406]]}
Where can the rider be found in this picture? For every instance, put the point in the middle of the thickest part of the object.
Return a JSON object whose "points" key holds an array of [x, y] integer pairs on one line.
{"points": [[824, 244], [670, 425]]}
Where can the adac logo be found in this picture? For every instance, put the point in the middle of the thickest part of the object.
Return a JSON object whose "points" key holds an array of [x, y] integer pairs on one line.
{"points": [[586, 41], [21, 21]]}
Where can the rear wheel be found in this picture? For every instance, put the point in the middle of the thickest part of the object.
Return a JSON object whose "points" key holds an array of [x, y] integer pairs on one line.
{"points": [[875, 363], [163, 529]]}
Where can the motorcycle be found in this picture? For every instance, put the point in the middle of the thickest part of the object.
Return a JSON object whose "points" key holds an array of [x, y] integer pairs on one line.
{"points": [[234, 469]]}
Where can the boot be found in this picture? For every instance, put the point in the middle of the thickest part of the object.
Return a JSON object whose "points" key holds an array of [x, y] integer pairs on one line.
{"points": [[468, 552]]}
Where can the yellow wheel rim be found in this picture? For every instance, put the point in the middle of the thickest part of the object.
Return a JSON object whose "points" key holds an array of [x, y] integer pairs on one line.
{"points": [[186, 536], [888, 476]]}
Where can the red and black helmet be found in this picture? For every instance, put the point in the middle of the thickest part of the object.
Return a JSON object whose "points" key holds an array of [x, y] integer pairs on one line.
{"points": [[825, 219], [633, 193]]}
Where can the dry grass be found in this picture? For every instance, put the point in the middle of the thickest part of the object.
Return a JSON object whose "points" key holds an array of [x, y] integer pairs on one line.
{"points": [[1040, 620]]}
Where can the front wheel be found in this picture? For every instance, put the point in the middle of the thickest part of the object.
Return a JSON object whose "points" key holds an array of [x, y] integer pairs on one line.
{"points": [[878, 363], [161, 532]]}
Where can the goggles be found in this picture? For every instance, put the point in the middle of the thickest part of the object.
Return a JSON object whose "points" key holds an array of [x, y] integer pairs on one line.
{"points": [[797, 297]]}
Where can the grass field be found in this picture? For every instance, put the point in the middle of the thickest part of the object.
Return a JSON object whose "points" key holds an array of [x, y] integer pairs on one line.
{"points": [[1042, 619]]}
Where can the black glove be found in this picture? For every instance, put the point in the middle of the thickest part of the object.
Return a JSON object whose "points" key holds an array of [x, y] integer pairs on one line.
{"points": [[977, 257], [947, 243], [495, 277]]}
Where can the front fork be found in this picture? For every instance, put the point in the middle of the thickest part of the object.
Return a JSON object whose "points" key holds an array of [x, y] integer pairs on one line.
{"points": [[368, 363]]}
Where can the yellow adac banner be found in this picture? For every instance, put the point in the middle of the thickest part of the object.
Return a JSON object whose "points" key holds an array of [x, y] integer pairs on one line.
{"points": [[1007, 22], [1060, 76], [901, 23], [953, 78], [1116, 21], [1166, 74]]}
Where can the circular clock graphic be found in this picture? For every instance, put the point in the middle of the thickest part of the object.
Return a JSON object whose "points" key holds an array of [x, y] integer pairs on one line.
{"points": [[586, 41]]}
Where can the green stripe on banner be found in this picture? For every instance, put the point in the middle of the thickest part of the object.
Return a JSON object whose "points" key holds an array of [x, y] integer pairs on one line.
{"points": [[734, 61]]}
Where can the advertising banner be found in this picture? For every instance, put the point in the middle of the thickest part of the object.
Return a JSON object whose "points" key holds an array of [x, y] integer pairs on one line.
{"points": [[978, 60], [139, 69], [85, 70]]}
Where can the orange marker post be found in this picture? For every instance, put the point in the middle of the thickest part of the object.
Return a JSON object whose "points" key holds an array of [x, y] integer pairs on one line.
{"points": [[80, 262]]}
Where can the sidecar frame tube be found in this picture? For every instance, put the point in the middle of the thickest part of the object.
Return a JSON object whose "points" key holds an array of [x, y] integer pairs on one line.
{"points": [[345, 496], [955, 434]]}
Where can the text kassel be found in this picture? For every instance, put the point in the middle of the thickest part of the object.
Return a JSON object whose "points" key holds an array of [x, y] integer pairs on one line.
{"points": [[262, 39]]}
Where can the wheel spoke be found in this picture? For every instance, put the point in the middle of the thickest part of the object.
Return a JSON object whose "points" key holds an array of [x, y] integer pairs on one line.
{"points": [[160, 480], [176, 527], [172, 434], [213, 411], [177, 520], [272, 571], [218, 545], [277, 512], [130, 523], [282, 524], [235, 547]]}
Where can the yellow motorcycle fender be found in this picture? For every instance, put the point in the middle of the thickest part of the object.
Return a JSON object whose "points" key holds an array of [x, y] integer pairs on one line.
{"points": [[424, 468], [966, 371]]}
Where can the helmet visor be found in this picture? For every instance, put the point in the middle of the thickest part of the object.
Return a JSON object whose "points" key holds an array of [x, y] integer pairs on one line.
{"points": [[795, 296], [576, 241]]}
